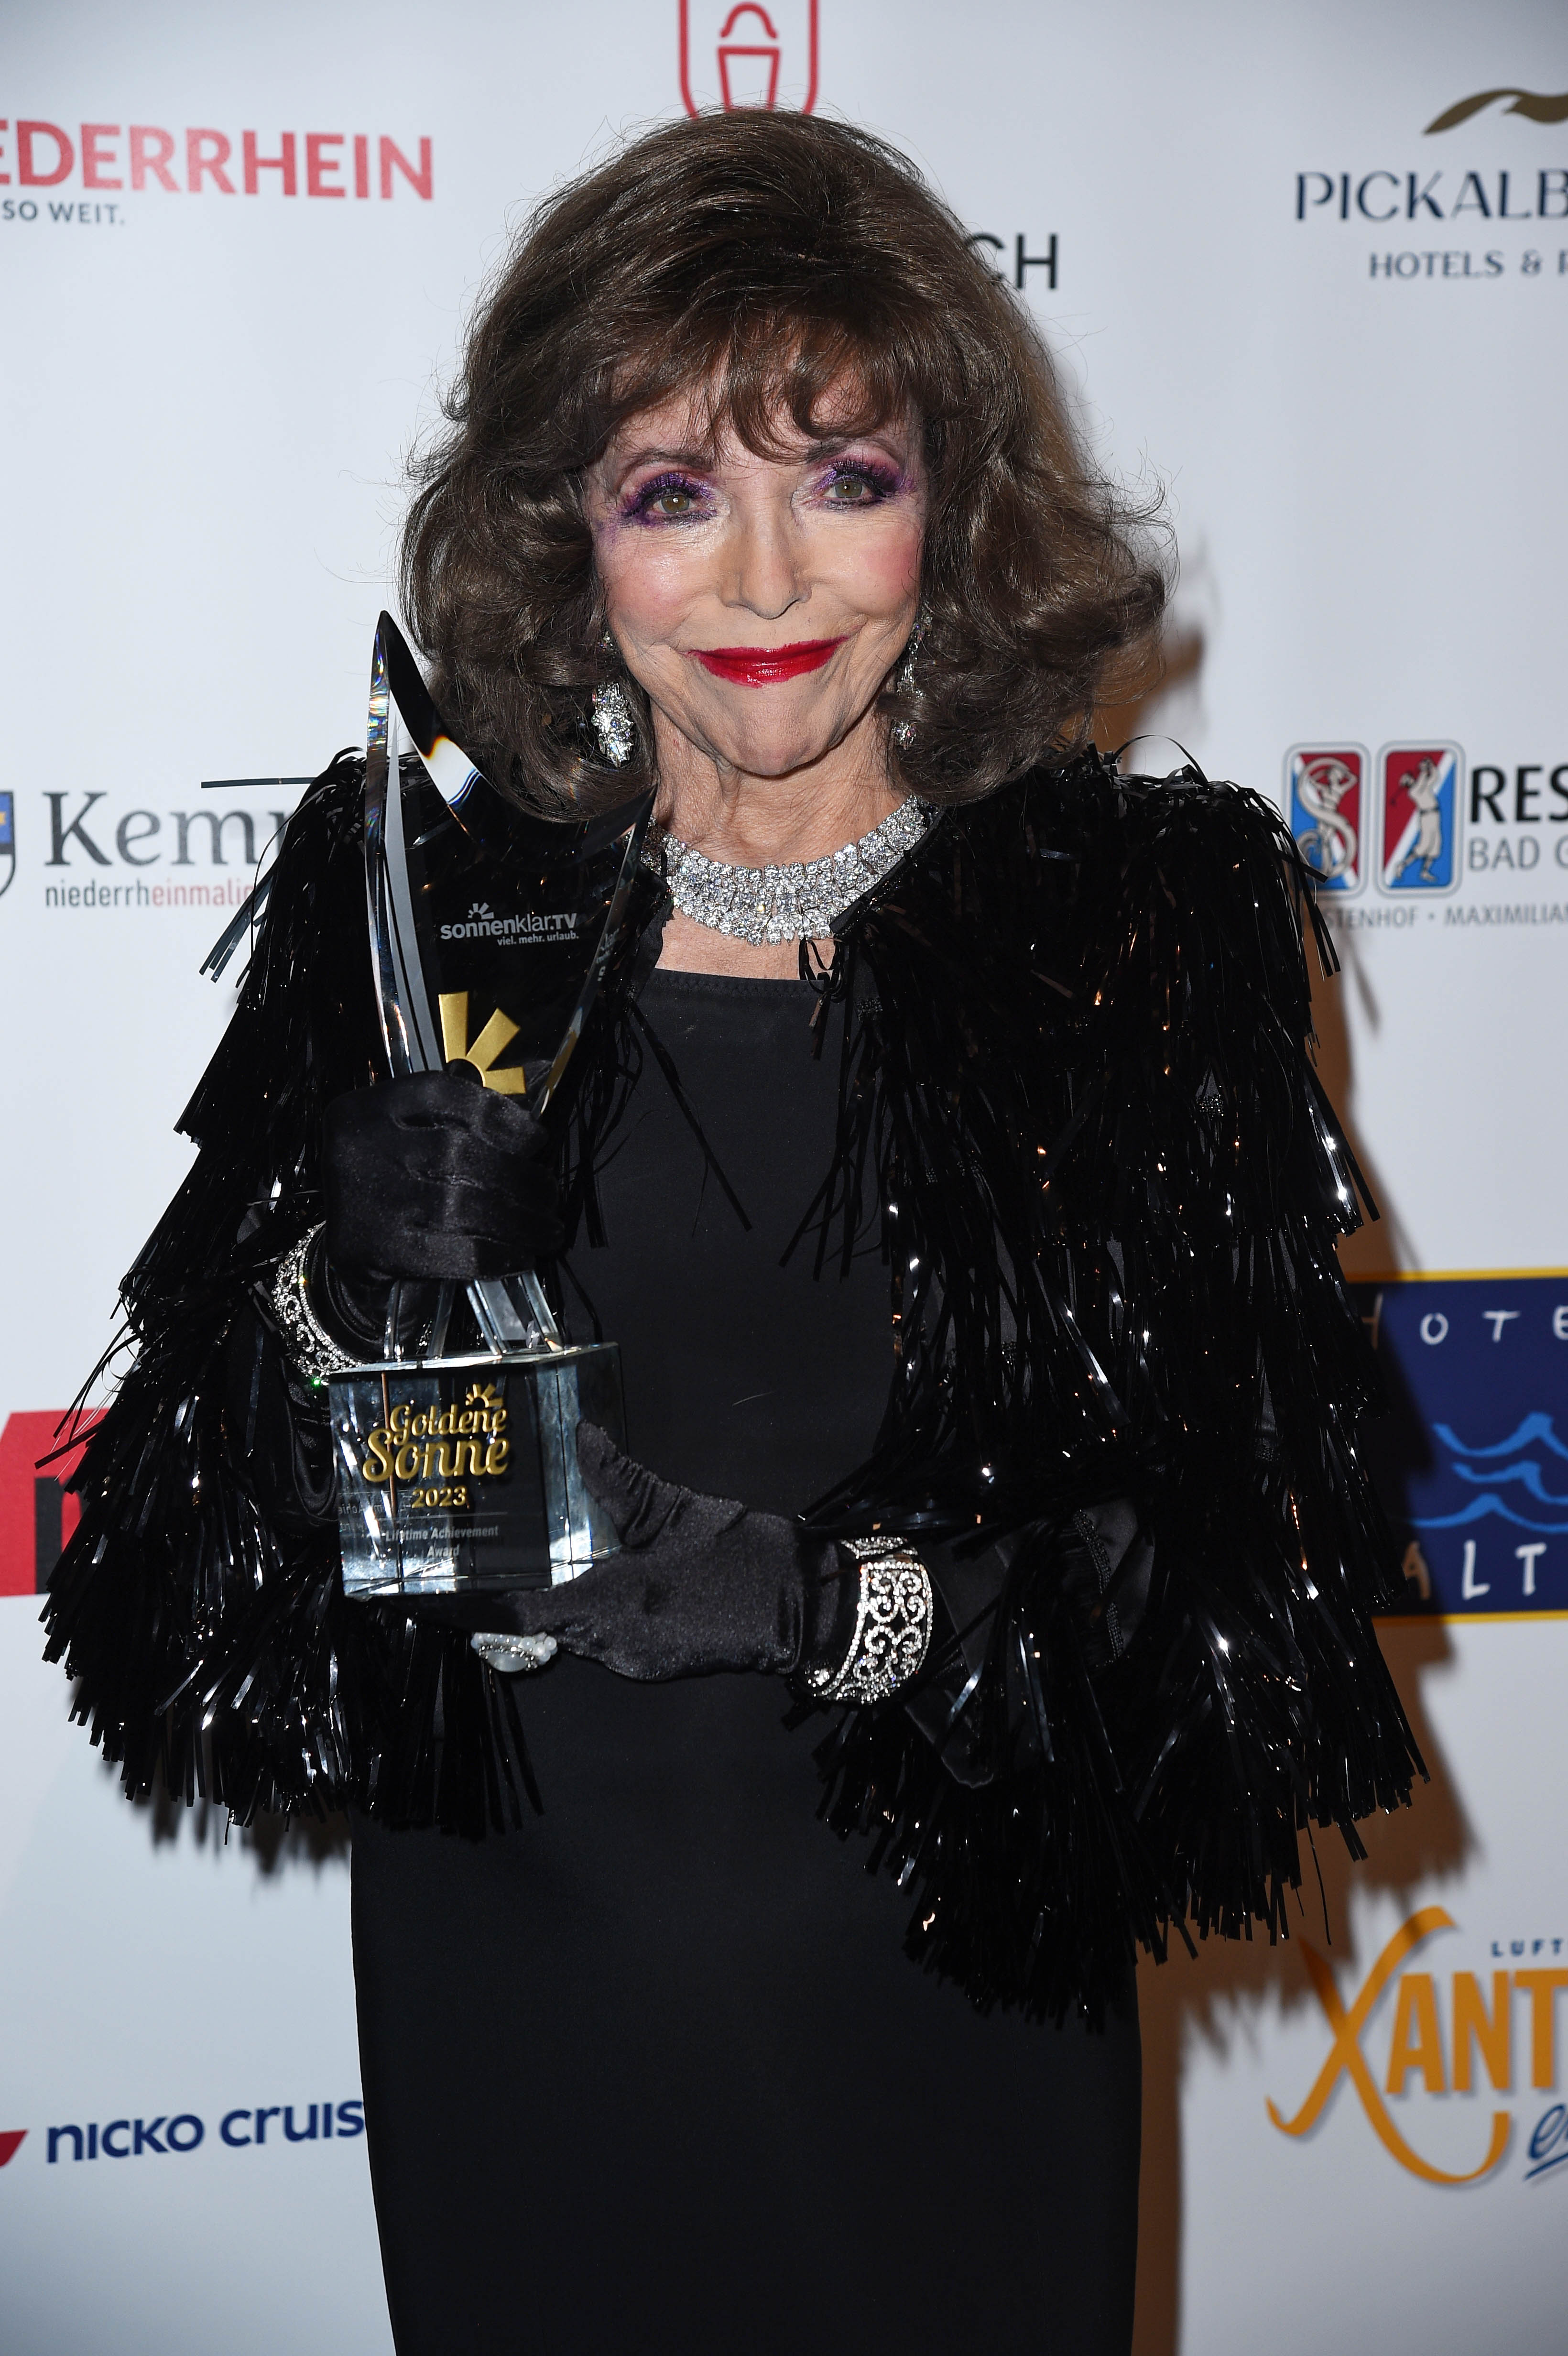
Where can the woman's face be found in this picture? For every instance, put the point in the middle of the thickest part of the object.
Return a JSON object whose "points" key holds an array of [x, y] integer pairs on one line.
{"points": [[761, 601]]}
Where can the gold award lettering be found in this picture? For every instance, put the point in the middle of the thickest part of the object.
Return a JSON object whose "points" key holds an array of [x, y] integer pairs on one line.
{"points": [[442, 1443]]}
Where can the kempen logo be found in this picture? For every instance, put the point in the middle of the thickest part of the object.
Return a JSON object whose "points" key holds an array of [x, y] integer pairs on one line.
{"points": [[98, 851], [1480, 2031]]}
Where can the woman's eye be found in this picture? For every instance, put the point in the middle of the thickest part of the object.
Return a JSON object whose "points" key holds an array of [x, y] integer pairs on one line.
{"points": [[854, 488], [667, 502]]}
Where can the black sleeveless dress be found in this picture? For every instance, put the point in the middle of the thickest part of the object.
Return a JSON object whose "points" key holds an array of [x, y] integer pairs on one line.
{"points": [[654, 2073]]}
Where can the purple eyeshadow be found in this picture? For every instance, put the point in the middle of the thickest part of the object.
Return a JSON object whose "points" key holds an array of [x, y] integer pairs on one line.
{"points": [[886, 481], [647, 493]]}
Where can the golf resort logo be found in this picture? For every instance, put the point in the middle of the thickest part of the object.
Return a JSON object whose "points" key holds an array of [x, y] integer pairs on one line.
{"points": [[1426, 824], [1405, 833]]}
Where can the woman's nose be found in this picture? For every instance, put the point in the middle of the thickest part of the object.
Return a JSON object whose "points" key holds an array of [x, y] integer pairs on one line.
{"points": [[765, 571]]}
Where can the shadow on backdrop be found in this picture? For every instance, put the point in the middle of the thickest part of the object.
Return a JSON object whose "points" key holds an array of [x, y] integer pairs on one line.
{"points": [[273, 1842]]}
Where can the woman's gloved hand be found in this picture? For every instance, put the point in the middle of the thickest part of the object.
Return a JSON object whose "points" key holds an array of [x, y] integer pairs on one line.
{"points": [[701, 1584], [433, 1179]]}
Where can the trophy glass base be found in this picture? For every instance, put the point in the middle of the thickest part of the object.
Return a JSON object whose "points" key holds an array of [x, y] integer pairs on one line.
{"points": [[459, 1475]]}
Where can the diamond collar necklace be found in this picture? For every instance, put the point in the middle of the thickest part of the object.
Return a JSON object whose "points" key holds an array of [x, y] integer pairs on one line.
{"points": [[798, 902]]}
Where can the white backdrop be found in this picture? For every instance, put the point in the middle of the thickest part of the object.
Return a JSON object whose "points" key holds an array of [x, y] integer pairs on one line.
{"points": [[1335, 334]]}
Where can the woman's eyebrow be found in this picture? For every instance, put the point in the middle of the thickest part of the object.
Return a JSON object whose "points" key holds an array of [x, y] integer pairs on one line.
{"points": [[700, 461], [891, 447], [703, 461]]}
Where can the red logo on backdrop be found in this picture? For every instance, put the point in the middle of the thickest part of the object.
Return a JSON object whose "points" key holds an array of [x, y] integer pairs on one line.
{"points": [[11, 2139], [205, 161], [748, 54], [37, 1517]]}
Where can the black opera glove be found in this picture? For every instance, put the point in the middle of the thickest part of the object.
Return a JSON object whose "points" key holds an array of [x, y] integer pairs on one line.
{"points": [[432, 1179], [701, 1584]]}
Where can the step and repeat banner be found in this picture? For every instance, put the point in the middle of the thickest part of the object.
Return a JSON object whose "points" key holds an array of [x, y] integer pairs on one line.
{"points": [[1307, 270]]}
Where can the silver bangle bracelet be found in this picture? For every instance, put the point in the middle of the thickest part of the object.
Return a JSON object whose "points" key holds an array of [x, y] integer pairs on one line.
{"points": [[305, 1338], [892, 1624]]}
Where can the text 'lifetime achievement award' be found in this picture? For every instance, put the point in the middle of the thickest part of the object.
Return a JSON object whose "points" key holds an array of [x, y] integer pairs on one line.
{"points": [[490, 929]]}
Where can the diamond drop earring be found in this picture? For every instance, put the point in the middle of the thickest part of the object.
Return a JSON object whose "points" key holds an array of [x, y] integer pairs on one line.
{"points": [[902, 732], [612, 725]]}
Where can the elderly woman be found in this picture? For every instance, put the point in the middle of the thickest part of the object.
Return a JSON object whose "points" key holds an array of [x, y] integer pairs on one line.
{"points": [[944, 1155]]}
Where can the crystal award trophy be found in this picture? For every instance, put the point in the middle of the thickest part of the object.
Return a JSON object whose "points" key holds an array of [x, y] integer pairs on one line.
{"points": [[490, 929]]}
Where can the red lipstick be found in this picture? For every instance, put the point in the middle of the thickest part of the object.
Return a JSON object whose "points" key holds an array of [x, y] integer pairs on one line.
{"points": [[766, 666]]}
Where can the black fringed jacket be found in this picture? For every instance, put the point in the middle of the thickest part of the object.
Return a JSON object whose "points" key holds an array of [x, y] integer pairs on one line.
{"points": [[1078, 1106]]}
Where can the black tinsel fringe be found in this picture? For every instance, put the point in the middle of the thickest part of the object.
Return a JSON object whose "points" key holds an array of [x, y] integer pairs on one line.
{"points": [[1077, 1089], [1077, 1099]]}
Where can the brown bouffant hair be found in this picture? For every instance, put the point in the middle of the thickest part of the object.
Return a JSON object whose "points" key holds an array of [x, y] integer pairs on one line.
{"points": [[761, 261]]}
